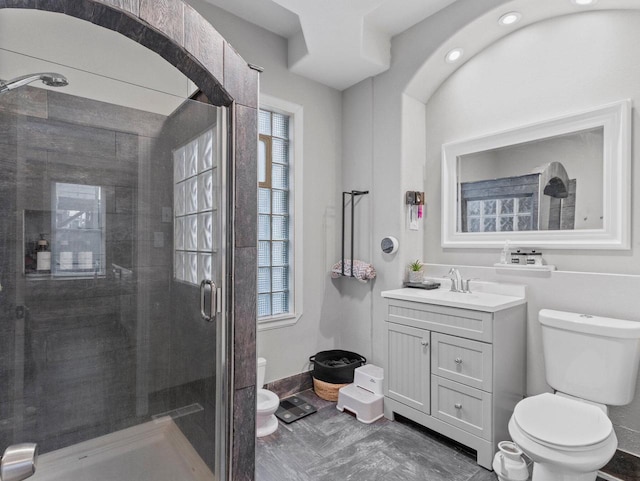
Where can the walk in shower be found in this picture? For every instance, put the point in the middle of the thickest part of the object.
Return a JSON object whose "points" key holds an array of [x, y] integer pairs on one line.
{"points": [[113, 251]]}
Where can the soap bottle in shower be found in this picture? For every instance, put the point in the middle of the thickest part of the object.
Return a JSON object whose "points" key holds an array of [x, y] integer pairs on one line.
{"points": [[43, 255], [85, 257], [66, 256]]}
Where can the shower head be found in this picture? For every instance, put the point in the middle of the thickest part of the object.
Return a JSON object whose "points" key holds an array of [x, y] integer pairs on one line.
{"points": [[48, 78], [54, 80]]}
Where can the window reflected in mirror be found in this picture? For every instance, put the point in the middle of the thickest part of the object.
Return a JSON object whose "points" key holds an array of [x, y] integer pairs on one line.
{"points": [[553, 183]]}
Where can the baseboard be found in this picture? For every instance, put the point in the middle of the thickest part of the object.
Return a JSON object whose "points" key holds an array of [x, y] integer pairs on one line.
{"points": [[291, 385], [622, 467]]}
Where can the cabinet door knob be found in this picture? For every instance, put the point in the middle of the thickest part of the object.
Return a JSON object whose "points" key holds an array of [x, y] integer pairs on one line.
{"points": [[458, 360], [424, 342], [457, 406]]}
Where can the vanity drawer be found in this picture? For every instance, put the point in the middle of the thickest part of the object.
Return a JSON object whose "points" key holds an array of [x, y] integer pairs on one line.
{"points": [[450, 320], [462, 406], [462, 360]]}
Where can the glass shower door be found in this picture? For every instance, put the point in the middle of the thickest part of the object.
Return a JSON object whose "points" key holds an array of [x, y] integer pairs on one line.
{"points": [[111, 217]]}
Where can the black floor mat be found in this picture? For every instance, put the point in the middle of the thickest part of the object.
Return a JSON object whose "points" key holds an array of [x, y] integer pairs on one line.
{"points": [[294, 408]]}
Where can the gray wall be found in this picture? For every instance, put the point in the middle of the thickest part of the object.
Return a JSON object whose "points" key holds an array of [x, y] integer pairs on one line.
{"points": [[317, 328]]}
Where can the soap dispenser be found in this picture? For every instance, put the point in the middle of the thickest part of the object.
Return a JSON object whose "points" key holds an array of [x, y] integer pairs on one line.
{"points": [[504, 255]]}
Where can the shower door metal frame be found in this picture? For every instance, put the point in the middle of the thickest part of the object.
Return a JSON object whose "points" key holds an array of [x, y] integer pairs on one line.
{"points": [[223, 321]]}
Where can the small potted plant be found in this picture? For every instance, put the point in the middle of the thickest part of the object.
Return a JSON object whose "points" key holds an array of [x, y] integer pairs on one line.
{"points": [[415, 271]]}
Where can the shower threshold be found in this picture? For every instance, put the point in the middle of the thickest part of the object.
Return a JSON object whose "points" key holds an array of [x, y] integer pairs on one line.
{"points": [[153, 451]]}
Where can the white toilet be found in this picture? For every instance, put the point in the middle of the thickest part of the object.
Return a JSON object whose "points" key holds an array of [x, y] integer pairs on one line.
{"points": [[267, 404], [590, 362]]}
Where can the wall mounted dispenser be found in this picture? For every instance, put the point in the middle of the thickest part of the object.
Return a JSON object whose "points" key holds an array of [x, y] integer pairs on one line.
{"points": [[389, 245]]}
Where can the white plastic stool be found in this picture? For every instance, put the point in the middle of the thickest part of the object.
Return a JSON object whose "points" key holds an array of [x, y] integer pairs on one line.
{"points": [[359, 398]]}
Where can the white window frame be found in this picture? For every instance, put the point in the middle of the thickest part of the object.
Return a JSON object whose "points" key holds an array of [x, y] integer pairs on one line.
{"points": [[295, 114]]}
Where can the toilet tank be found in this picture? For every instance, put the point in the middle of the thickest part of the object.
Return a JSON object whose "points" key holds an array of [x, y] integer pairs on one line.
{"points": [[590, 357], [262, 369]]}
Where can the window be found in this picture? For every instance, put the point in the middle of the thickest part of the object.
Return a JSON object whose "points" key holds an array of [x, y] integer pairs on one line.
{"points": [[280, 259], [274, 235], [78, 220], [195, 209], [498, 215], [506, 204]]}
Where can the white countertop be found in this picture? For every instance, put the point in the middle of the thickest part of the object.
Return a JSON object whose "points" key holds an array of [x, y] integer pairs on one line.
{"points": [[477, 301]]}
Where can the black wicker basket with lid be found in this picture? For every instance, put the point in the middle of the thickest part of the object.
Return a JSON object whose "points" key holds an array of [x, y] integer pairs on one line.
{"points": [[336, 366]]}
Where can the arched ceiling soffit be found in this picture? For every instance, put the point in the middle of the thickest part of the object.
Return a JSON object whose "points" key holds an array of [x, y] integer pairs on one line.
{"points": [[476, 32], [175, 31]]}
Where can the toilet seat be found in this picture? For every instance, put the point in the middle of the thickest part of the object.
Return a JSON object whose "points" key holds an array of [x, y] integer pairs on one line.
{"points": [[267, 402], [575, 460], [562, 423]]}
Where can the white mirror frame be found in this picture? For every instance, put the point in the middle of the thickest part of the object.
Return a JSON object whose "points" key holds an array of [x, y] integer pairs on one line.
{"points": [[615, 118]]}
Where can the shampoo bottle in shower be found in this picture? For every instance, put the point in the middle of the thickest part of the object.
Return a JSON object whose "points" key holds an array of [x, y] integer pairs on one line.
{"points": [[66, 256]]}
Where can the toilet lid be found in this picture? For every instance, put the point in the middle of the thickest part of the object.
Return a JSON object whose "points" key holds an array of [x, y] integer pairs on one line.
{"points": [[560, 421]]}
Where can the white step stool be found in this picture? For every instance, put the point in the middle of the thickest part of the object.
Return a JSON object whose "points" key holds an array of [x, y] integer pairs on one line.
{"points": [[364, 397]]}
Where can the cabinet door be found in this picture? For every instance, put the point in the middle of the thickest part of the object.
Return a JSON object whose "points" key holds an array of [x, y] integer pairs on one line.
{"points": [[408, 355]]}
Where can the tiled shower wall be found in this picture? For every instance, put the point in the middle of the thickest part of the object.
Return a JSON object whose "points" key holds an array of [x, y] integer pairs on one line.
{"points": [[73, 338], [85, 357]]}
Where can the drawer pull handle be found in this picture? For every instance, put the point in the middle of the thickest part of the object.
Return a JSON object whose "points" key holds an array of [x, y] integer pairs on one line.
{"points": [[424, 342], [458, 360], [457, 406]]}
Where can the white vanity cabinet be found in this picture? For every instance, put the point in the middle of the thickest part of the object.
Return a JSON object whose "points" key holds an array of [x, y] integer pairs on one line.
{"points": [[407, 377], [455, 365]]}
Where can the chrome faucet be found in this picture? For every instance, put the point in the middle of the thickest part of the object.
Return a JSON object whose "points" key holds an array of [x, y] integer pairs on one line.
{"points": [[456, 280], [18, 462]]}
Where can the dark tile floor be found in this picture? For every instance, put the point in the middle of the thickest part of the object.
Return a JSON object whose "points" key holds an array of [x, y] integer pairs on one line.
{"points": [[624, 466], [334, 446]]}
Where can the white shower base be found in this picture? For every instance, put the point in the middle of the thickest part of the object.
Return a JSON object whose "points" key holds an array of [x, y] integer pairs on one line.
{"points": [[153, 451]]}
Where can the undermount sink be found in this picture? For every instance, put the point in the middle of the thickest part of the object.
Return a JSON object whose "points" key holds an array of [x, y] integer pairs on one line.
{"points": [[478, 301]]}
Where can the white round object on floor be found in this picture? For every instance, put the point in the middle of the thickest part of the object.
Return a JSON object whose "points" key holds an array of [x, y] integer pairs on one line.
{"points": [[269, 427], [266, 405]]}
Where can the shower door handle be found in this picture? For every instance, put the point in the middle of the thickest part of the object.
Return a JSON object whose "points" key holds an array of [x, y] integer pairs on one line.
{"points": [[213, 304]]}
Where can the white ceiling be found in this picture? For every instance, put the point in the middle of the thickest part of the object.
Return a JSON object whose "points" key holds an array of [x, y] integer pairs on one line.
{"points": [[335, 42]]}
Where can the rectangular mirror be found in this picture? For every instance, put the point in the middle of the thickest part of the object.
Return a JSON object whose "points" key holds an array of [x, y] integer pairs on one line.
{"points": [[562, 183]]}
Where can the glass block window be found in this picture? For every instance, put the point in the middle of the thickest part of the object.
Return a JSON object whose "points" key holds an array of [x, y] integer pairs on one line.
{"points": [[500, 215], [195, 210], [274, 216], [78, 224]]}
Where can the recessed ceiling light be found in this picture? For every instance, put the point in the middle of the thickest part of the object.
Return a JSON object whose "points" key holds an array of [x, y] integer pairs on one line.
{"points": [[454, 55], [510, 18], [584, 2]]}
